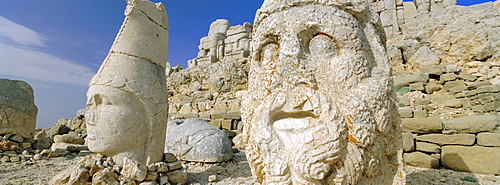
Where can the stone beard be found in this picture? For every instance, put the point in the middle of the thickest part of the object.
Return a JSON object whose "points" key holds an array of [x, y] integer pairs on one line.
{"points": [[321, 108]]}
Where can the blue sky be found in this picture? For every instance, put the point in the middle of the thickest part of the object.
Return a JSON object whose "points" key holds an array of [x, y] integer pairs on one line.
{"points": [[57, 45]]}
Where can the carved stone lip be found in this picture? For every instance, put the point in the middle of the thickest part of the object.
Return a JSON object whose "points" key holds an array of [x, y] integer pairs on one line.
{"points": [[296, 120]]}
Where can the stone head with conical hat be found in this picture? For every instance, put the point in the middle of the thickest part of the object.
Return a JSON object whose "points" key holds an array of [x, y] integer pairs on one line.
{"points": [[320, 107], [127, 103]]}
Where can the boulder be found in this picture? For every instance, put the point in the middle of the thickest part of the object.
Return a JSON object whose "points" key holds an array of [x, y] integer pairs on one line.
{"points": [[17, 108], [472, 124], [420, 159], [197, 140], [474, 159]]}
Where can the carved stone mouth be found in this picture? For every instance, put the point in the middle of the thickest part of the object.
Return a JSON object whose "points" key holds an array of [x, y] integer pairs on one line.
{"points": [[292, 121]]}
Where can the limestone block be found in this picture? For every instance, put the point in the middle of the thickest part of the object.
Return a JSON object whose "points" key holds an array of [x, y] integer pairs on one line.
{"points": [[447, 77], [177, 177], [474, 159], [133, 170], [170, 157], [227, 124], [174, 165], [197, 140], [428, 147], [455, 86], [71, 138], [422, 101], [232, 116], [467, 77], [453, 103], [424, 56], [478, 84], [405, 113], [453, 139], [488, 139], [417, 87], [401, 81], [17, 108], [408, 142], [420, 114], [431, 70], [472, 124], [191, 115], [218, 114], [432, 87], [422, 125], [307, 96], [126, 101], [9, 145], [17, 138], [105, 177], [410, 10], [420, 159], [72, 123], [68, 147], [216, 123], [76, 174]]}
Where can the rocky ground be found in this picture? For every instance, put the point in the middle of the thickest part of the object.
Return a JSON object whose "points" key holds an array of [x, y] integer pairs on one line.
{"points": [[232, 172]]}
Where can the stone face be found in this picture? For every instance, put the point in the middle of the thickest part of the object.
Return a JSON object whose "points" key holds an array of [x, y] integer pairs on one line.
{"points": [[488, 139], [293, 110], [420, 159], [472, 124], [17, 108], [127, 103], [474, 159], [197, 140], [422, 125], [454, 139]]}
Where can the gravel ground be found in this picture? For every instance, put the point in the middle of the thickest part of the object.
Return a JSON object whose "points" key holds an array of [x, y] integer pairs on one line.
{"points": [[233, 172]]}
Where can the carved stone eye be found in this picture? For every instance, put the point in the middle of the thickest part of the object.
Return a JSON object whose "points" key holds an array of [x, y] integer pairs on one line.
{"points": [[323, 46]]}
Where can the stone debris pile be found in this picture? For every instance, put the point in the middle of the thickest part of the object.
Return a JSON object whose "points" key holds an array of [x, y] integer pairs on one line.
{"points": [[97, 169]]}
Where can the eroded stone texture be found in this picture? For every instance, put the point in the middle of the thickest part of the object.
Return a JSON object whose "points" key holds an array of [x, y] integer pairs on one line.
{"points": [[17, 108], [127, 104], [320, 107]]}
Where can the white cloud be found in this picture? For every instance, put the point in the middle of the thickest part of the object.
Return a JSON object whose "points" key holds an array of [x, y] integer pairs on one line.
{"points": [[19, 34], [18, 59]]}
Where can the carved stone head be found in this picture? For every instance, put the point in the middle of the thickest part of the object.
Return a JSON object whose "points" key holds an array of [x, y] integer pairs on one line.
{"points": [[127, 103], [320, 108]]}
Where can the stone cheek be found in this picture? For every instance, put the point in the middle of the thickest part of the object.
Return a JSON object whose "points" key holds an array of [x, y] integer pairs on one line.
{"points": [[293, 110]]}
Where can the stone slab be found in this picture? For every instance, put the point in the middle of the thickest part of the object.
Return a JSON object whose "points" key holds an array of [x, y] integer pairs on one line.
{"points": [[472, 124], [488, 139], [422, 125], [454, 139], [474, 159], [420, 159]]}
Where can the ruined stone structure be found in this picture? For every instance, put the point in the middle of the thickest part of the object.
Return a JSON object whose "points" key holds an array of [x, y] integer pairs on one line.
{"points": [[127, 102], [223, 42], [308, 116]]}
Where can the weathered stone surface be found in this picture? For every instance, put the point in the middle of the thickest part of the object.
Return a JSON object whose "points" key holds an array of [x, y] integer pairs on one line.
{"points": [[72, 123], [422, 125], [420, 114], [105, 177], [455, 86], [17, 108], [420, 159], [428, 147], [127, 103], [488, 139], [169, 157], [197, 140], [408, 142], [422, 101], [453, 103], [417, 86], [468, 77], [424, 56], [472, 124], [454, 139], [307, 96], [42, 141], [133, 170], [68, 147], [71, 138], [405, 113], [401, 81], [447, 77], [76, 174], [474, 159], [431, 70]]}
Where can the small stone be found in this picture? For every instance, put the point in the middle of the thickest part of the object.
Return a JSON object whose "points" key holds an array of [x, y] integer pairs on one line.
{"points": [[468, 77], [432, 87], [161, 167], [420, 159], [174, 165], [151, 168], [25, 152], [17, 138], [447, 77], [15, 159], [5, 159], [170, 157], [117, 168], [45, 152], [422, 101], [420, 114], [151, 176], [164, 180], [76, 174], [9, 145], [37, 157], [57, 153], [6, 136], [26, 145], [408, 142], [417, 86], [212, 178], [148, 183], [105, 177], [428, 147]]}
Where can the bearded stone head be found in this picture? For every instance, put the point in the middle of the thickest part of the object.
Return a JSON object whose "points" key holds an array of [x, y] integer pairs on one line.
{"points": [[320, 108]]}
